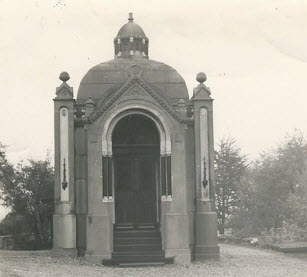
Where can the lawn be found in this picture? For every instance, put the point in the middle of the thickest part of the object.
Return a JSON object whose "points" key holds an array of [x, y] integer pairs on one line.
{"points": [[234, 261]]}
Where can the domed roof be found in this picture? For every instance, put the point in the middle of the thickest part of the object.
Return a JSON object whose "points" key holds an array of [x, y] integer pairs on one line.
{"points": [[113, 74], [131, 29], [131, 41], [131, 48]]}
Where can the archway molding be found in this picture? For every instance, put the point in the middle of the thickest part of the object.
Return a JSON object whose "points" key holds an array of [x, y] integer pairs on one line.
{"points": [[154, 115]]}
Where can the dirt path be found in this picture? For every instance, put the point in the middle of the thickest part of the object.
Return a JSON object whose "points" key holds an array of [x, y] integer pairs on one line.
{"points": [[235, 261]]}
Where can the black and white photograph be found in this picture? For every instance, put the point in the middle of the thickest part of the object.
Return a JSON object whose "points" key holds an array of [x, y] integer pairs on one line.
{"points": [[153, 138]]}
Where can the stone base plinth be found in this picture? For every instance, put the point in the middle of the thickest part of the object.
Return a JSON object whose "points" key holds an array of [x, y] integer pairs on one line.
{"points": [[96, 258], [181, 256], [61, 252], [64, 231], [206, 236], [207, 252]]}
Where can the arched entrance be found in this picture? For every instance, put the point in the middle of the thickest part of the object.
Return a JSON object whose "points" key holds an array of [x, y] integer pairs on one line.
{"points": [[136, 157]]}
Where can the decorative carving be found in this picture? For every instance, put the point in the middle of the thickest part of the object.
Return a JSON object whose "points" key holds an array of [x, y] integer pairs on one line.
{"points": [[137, 80], [79, 110], [64, 183], [181, 105], [64, 91], [135, 70], [201, 91], [136, 92], [205, 181], [64, 112]]}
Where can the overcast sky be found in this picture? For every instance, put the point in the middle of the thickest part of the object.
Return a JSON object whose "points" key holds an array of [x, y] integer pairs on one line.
{"points": [[253, 52]]}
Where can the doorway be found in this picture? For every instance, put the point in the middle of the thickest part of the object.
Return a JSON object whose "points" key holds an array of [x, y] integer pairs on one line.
{"points": [[135, 143]]}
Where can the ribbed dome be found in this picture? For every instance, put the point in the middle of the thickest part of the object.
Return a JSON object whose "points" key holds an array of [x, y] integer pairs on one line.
{"points": [[131, 41], [131, 29]]}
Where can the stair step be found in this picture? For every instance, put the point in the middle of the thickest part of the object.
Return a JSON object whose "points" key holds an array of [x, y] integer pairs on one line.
{"points": [[159, 253], [136, 234], [137, 248], [137, 240], [132, 227], [139, 264], [138, 258]]}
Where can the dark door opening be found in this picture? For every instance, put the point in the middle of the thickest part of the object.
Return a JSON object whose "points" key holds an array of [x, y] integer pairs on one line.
{"points": [[135, 143]]}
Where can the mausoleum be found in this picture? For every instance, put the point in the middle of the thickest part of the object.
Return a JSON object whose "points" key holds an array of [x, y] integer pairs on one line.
{"points": [[134, 161]]}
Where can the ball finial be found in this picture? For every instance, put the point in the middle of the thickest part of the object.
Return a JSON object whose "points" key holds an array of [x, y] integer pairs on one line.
{"points": [[64, 76], [201, 77]]}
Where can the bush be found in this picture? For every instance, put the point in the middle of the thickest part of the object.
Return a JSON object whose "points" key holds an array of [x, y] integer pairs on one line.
{"points": [[287, 233]]}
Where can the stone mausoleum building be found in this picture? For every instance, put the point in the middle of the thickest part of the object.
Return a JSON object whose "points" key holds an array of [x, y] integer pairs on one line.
{"points": [[134, 161]]}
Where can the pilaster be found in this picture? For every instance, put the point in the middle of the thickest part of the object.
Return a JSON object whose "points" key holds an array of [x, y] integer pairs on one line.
{"points": [[64, 219], [205, 216]]}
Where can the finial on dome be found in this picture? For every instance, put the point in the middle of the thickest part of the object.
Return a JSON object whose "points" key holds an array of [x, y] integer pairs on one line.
{"points": [[201, 77], [64, 77], [130, 17]]}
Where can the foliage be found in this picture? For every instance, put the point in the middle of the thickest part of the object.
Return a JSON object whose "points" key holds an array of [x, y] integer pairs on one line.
{"points": [[275, 193], [286, 233], [7, 178], [28, 191], [230, 168]]}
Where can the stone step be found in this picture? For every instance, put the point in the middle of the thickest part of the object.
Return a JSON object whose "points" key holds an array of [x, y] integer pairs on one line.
{"points": [[141, 264], [137, 240], [137, 247], [137, 234], [148, 258], [138, 261]]}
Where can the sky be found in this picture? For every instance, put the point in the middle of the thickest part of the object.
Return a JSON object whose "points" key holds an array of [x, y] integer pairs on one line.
{"points": [[253, 53]]}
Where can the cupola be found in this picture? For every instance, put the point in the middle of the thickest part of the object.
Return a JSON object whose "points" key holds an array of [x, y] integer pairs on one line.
{"points": [[131, 41]]}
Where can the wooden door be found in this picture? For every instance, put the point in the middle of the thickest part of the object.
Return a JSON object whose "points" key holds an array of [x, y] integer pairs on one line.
{"points": [[135, 191]]}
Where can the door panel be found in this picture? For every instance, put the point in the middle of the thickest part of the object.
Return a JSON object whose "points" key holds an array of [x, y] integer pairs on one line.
{"points": [[135, 190]]}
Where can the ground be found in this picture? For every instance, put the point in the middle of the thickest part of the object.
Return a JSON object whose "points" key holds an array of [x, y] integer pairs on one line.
{"points": [[234, 261]]}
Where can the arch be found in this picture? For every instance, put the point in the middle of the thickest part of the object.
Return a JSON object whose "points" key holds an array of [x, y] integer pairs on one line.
{"points": [[154, 115]]}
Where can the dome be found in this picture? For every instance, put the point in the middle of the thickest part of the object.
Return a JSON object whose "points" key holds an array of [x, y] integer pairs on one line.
{"points": [[131, 48], [131, 41], [113, 74], [131, 29]]}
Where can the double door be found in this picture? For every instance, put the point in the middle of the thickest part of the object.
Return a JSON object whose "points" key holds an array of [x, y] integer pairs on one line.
{"points": [[135, 190]]}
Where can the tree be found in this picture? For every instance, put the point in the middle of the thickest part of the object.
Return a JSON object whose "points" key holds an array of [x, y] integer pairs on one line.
{"points": [[7, 179], [230, 168], [28, 191], [275, 193], [34, 189]]}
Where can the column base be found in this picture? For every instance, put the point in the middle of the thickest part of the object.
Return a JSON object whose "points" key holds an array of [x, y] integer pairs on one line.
{"points": [[206, 236], [94, 258], [61, 252], [64, 231], [207, 252], [181, 256]]}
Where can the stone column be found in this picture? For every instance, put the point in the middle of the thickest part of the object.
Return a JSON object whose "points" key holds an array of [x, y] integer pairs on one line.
{"points": [[205, 216], [64, 219]]}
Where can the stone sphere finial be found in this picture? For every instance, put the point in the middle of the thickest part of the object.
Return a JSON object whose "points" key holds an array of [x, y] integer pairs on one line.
{"points": [[64, 76], [201, 77]]}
